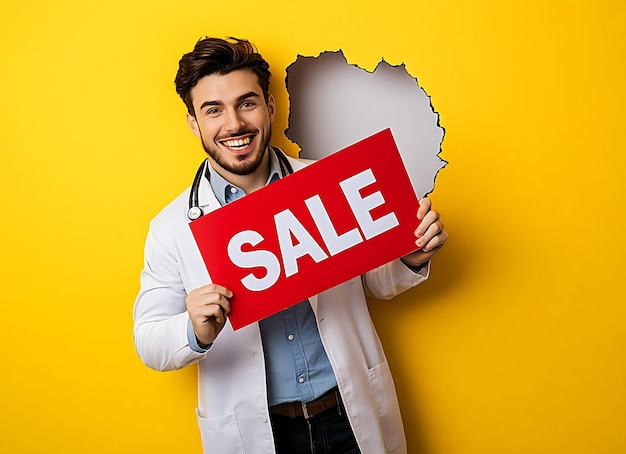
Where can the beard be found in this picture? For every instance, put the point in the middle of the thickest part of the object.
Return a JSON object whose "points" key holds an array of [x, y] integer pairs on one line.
{"points": [[246, 164]]}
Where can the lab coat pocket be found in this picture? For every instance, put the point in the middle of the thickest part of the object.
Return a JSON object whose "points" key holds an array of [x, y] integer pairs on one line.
{"points": [[220, 435], [383, 392]]}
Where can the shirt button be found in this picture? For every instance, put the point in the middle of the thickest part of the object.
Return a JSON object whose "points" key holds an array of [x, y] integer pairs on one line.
{"points": [[290, 337], [233, 190], [251, 353], [263, 418], [301, 379]]}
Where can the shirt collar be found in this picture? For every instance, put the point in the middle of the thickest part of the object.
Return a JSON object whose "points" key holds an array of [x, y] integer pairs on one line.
{"points": [[221, 186]]}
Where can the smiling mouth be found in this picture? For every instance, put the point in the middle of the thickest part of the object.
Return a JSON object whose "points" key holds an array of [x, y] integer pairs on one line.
{"points": [[238, 144]]}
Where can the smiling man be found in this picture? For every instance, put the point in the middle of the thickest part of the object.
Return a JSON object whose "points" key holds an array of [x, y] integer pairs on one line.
{"points": [[232, 117], [310, 379]]}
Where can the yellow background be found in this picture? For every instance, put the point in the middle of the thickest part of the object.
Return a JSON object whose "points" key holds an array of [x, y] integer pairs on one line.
{"points": [[516, 344]]}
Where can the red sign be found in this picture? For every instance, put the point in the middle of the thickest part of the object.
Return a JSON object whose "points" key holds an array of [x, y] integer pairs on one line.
{"points": [[323, 225]]}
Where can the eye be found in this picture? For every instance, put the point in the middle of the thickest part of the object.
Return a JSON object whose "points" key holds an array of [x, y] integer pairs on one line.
{"points": [[248, 105], [212, 111]]}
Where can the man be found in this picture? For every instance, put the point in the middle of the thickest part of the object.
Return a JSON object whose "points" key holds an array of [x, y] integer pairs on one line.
{"points": [[312, 378]]}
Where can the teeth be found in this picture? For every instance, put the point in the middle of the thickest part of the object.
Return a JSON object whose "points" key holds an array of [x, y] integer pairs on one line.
{"points": [[238, 143]]}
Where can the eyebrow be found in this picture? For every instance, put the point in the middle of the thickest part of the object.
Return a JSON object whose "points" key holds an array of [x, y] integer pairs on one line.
{"points": [[250, 94]]}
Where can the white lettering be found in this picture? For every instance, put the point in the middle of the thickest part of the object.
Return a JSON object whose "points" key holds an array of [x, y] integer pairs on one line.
{"points": [[296, 242], [334, 243], [253, 259], [286, 226], [361, 206]]}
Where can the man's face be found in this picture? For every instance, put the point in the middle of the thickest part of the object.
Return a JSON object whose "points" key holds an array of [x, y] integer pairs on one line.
{"points": [[233, 120]]}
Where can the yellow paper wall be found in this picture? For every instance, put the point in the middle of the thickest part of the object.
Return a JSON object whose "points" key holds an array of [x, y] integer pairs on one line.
{"points": [[516, 344]]}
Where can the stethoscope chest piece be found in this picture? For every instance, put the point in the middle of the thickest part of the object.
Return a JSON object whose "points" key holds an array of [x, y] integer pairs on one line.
{"points": [[194, 213]]}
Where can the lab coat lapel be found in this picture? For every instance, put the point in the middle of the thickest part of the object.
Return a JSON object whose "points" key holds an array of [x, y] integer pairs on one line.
{"points": [[313, 301]]}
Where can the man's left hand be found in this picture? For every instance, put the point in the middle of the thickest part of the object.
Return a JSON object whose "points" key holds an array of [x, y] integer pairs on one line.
{"points": [[430, 235]]}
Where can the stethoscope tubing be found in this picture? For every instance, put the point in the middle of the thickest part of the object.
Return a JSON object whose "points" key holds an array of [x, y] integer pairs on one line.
{"points": [[194, 212]]}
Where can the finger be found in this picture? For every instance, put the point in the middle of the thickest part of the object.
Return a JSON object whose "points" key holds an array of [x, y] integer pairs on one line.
{"points": [[424, 208], [208, 294], [431, 218], [199, 304], [436, 242], [214, 288], [209, 314], [433, 229], [222, 303], [216, 314], [225, 305]]}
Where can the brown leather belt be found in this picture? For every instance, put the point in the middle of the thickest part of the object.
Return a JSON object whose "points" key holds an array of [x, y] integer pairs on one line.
{"points": [[307, 410]]}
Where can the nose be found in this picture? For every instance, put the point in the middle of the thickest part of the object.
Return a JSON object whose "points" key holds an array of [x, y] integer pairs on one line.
{"points": [[233, 121]]}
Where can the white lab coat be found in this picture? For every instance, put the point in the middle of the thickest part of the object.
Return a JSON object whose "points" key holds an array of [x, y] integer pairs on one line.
{"points": [[232, 409]]}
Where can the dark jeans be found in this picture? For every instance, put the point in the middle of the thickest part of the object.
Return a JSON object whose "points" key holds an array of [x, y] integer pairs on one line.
{"points": [[326, 433]]}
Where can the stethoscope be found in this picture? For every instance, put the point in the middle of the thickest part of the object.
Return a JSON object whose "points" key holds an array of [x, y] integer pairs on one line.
{"points": [[194, 212]]}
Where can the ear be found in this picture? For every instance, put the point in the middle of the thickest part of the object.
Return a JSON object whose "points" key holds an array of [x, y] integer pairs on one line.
{"points": [[193, 125], [271, 107]]}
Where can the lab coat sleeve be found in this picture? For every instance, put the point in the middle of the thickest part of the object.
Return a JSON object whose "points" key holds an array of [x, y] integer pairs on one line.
{"points": [[160, 313], [391, 279]]}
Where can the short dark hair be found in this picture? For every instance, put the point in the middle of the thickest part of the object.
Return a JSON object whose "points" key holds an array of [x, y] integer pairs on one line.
{"points": [[219, 56]]}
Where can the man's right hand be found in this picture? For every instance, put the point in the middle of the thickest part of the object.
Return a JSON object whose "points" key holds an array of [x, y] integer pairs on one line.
{"points": [[208, 307]]}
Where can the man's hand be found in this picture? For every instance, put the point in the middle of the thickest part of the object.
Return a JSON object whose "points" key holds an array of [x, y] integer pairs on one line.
{"points": [[429, 236], [208, 307]]}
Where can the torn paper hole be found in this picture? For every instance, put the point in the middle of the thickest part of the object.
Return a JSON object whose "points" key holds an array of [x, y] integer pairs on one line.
{"points": [[334, 104]]}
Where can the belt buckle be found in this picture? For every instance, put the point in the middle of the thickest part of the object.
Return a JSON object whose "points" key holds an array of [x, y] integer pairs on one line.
{"points": [[305, 412]]}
